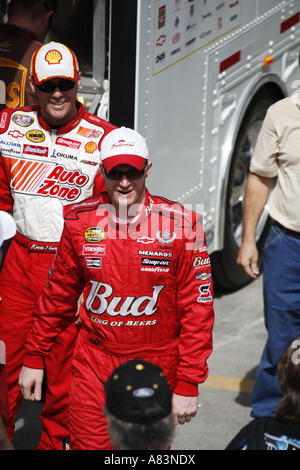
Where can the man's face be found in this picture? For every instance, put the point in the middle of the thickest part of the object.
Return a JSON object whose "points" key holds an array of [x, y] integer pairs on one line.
{"points": [[58, 107], [127, 195]]}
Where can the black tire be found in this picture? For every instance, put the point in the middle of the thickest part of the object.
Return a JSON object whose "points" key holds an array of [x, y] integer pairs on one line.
{"points": [[226, 272]]}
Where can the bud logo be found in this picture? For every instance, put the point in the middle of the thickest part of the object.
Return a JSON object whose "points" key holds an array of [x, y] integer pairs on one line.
{"points": [[98, 303], [200, 261], [52, 185]]}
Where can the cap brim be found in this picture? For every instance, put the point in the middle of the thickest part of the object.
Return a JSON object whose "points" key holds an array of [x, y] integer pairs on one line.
{"points": [[133, 160], [45, 79], [8, 225]]}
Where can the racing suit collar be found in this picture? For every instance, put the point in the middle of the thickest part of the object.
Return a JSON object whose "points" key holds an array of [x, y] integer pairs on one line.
{"points": [[68, 127]]}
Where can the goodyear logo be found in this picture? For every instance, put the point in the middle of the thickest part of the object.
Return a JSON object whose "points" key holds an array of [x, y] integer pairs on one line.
{"points": [[94, 234], [35, 135]]}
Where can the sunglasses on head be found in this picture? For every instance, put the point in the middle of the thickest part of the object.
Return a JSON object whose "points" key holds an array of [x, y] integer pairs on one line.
{"points": [[133, 174], [62, 85]]}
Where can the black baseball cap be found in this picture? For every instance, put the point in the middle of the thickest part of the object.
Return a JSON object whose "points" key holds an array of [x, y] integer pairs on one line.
{"points": [[138, 392]]}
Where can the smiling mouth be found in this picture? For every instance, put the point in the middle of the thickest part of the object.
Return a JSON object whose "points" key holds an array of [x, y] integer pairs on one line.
{"points": [[57, 104], [124, 192]]}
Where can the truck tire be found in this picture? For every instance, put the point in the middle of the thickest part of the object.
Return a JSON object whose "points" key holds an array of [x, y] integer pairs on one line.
{"points": [[226, 273]]}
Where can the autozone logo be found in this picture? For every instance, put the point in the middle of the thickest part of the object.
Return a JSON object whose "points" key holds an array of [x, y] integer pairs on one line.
{"points": [[54, 185], [101, 300]]}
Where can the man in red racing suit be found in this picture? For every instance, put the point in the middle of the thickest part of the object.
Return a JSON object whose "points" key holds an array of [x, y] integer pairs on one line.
{"points": [[147, 292], [42, 168]]}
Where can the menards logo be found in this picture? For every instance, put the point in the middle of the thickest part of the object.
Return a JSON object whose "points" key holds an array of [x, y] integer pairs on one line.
{"points": [[46, 179]]}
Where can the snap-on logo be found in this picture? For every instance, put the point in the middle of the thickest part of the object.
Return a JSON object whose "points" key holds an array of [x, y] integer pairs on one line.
{"points": [[73, 144]]}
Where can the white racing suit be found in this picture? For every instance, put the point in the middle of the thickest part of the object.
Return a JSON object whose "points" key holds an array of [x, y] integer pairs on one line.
{"points": [[40, 172]]}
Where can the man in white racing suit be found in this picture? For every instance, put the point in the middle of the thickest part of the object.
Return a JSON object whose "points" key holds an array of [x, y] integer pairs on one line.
{"points": [[49, 158]]}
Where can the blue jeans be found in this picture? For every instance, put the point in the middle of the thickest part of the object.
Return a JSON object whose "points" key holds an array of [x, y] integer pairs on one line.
{"points": [[281, 281]]}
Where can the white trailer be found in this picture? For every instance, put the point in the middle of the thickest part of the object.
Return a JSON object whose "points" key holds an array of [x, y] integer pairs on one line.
{"points": [[195, 78]]}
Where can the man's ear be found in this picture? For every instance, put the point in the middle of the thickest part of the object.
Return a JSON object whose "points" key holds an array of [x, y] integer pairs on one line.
{"points": [[79, 78], [32, 85], [148, 169]]}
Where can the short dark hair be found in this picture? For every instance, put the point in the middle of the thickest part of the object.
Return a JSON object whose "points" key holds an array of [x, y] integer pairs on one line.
{"points": [[33, 8]]}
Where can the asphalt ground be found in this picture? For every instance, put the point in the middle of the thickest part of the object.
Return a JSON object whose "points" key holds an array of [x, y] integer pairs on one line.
{"points": [[239, 336]]}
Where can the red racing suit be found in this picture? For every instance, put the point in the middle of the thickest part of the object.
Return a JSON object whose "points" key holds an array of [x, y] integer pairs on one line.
{"points": [[148, 293], [40, 172]]}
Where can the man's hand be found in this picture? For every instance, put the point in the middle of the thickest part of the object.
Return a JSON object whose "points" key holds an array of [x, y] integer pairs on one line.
{"points": [[247, 259], [255, 199], [184, 408], [30, 381]]}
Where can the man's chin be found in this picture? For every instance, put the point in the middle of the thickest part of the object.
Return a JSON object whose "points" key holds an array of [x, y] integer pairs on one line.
{"points": [[123, 207], [57, 115]]}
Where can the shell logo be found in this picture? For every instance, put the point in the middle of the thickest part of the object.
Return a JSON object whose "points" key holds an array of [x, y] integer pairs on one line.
{"points": [[53, 57], [90, 147]]}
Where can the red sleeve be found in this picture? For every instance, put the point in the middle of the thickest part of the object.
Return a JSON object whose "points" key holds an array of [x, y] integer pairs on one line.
{"points": [[57, 305], [196, 314]]}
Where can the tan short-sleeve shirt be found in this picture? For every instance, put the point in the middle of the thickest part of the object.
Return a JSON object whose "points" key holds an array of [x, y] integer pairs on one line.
{"points": [[277, 155]]}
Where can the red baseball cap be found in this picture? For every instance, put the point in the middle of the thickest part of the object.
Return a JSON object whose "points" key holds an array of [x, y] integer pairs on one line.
{"points": [[123, 146]]}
